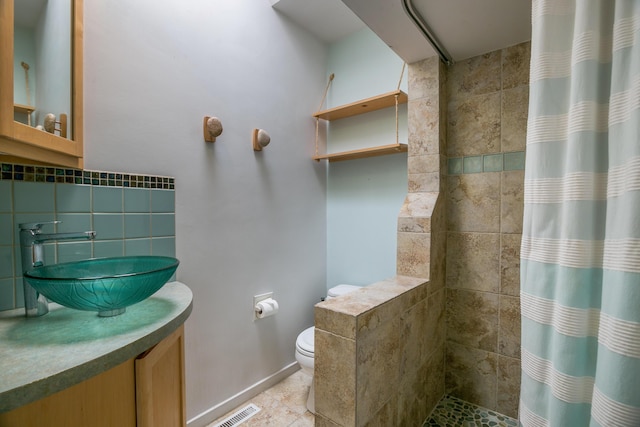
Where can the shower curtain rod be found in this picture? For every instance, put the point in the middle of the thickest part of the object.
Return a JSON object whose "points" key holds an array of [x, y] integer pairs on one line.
{"points": [[417, 19]]}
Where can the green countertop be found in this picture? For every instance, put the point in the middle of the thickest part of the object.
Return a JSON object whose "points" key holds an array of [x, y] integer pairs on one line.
{"points": [[43, 355]]}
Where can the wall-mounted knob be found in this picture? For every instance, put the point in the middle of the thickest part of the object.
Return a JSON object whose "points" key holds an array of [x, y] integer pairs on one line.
{"points": [[212, 128], [260, 139]]}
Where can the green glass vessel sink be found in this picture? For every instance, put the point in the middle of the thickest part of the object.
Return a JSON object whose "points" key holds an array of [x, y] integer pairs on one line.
{"points": [[105, 285]]}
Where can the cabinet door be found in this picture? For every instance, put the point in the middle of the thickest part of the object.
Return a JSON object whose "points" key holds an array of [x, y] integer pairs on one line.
{"points": [[105, 400], [160, 395]]}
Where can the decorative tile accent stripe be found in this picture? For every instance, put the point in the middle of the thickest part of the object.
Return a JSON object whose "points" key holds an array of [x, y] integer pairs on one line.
{"points": [[496, 162], [31, 173], [453, 412]]}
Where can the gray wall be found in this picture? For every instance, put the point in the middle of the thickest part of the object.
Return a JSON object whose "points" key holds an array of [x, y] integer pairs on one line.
{"points": [[246, 222]]}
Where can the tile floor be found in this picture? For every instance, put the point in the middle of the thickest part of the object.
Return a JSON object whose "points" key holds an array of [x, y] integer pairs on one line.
{"points": [[283, 405]]}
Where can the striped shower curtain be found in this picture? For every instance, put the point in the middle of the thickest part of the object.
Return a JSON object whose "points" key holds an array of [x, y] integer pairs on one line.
{"points": [[580, 254]]}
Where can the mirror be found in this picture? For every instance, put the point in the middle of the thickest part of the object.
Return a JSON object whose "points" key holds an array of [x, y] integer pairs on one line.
{"points": [[41, 81], [41, 59]]}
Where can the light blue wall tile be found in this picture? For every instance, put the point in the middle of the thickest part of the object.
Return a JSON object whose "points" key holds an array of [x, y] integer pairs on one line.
{"points": [[81, 207], [108, 248], [137, 200], [30, 197], [163, 225], [74, 251], [492, 162], [6, 294], [454, 166], [73, 198], [106, 199], [6, 262], [163, 246], [472, 164], [137, 247], [137, 225], [23, 218], [108, 226], [6, 229], [514, 161], [74, 222], [6, 198], [163, 201]]}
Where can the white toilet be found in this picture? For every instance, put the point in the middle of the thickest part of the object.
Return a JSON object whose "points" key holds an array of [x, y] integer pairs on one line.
{"points": [[305, 343]]}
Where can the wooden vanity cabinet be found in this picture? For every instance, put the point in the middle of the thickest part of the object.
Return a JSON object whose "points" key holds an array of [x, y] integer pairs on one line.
{"points": [[144, 391], [160, 391], [108, 399]]}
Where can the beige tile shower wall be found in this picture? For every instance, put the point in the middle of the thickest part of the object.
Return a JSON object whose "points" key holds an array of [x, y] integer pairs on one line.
{"points": [[487, 113], [426, 163], [380, 354]]}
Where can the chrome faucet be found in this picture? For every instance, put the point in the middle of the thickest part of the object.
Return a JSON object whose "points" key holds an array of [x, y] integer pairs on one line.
{"points": [[32, 251]]}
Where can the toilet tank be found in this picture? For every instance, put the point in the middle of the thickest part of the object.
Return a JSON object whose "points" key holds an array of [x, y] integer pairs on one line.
{"points": [[338, 290]]}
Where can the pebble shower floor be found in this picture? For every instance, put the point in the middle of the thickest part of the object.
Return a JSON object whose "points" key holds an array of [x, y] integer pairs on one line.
{"points": [[453, 412]]}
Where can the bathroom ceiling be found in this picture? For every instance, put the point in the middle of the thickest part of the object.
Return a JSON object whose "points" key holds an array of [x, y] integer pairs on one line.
{"points": [[329, 20], [465, 28]]}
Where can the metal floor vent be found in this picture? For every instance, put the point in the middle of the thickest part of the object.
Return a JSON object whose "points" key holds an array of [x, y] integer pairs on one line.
{"points": [[239, 417]]}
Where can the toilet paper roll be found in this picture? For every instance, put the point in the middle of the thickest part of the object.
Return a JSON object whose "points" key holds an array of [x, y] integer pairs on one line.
{"points": [[266, 308]]}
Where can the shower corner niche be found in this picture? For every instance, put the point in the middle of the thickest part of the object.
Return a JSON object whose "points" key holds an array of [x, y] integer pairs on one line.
{"points": [[22, 142], [363, 106]]}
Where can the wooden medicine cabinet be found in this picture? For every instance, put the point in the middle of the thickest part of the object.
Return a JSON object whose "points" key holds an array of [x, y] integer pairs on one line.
{"points": [[40, 73]]}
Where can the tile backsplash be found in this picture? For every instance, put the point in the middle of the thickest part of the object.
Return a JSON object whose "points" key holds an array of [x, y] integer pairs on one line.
{"points": [[131, 214]]}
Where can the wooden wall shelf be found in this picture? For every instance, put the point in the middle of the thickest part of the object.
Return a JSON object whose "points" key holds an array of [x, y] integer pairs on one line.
{"points": [[363, 153], [24, 109], [363, 106]]}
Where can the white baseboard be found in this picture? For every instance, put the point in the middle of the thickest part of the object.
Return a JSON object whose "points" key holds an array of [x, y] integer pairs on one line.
{"points": [[222, 408]]}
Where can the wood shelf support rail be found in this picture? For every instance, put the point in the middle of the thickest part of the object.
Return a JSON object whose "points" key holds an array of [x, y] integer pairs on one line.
{"points": [[326, 90], [404, 64]]}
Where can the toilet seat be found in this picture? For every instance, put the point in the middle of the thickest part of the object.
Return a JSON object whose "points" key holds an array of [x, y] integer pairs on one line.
{"points": [[304, 342]]}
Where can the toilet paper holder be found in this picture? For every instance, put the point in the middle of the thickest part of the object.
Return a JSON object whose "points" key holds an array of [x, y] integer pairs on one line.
{"points": [[264, 306]]}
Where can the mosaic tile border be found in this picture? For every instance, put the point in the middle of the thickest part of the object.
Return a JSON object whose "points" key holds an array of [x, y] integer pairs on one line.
{"points": [[454, 412], [52, 174], [496, 162]]}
